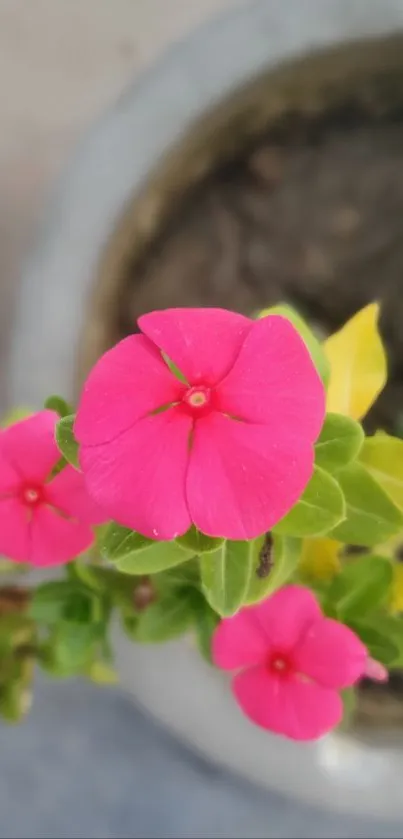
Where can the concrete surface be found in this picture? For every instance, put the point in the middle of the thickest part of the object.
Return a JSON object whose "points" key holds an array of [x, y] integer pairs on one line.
{"points": [[87, 764]]}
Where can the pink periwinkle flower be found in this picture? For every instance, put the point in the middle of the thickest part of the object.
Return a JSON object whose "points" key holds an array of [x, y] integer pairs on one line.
{"points": [[292, 663], [230, 451], [44, 520]]}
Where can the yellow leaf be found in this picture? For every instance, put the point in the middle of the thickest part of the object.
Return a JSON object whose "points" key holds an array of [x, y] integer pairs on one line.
{"points": [[396, 600], [320, 558], [392, 548], [357, 364], [102, 674], [383, 457]]}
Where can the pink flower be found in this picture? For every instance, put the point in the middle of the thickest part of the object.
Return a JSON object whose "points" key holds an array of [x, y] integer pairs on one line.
{"points": [[43, 520], [230, 451], [292, 662]]}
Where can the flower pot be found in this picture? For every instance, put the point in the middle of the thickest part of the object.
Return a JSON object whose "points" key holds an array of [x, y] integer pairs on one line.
{"points": [[260, 160]]}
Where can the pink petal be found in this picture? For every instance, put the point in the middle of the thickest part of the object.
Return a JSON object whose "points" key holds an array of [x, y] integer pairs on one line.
{"points": [[10, 480], [286, 616], [331, 654], [68, 493], [56, 540], [139, 478], [239, 641], [275, 382], [30, 447], [14, 530], [289, 706], [127, 383], [203, 343], [375, 670], [241, 481]]}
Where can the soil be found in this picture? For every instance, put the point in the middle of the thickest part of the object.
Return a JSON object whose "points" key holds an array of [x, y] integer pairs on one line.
{"points": [[313, 215]]}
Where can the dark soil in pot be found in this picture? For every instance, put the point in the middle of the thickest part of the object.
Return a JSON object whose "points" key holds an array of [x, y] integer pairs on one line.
{"points": [[310, 212]]}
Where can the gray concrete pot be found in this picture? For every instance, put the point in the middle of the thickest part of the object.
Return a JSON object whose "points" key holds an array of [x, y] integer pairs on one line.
{"points": [[165, 131]]}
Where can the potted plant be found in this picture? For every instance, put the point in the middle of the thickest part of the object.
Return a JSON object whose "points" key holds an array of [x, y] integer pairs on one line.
{"points": [[266, 186]]}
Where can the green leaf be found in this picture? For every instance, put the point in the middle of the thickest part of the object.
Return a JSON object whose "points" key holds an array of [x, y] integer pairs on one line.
{"points": [[382, 455], [74, 643], [66, 442], [170, 616], [187, 574], [314, 346], [226, 574], [118, 542], [93, 577], [50, 600], [320, 508], [206, 621], [199, 543], [157, 557], [371, 517], [389, 628], [134, 554], [58, 404], [362, 587], [380, 644], [339, 442], [286, 552]]}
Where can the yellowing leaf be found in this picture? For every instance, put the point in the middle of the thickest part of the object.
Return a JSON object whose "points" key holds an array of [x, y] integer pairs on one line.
{"points": [[392, 547], [101, 673], [383, 457], [320, 558], [357, 364], [396, 600]]}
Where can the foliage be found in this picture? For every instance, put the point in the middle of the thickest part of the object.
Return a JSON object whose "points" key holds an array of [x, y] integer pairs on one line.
{"points": [[160, 590]]}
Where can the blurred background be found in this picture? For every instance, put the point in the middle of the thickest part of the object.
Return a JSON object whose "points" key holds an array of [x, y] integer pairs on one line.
{"points": [[87, 762]]}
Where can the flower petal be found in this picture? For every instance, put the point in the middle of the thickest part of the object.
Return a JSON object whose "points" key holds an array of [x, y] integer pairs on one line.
{"points": [[239, 641], [286, 615], [375, 670], [10, 479], [68, 493], [241, 481], [139, 478], [331, 654], [289, 706], [203, 343], [128, 382], [56, 540], [14, 530], [30, 446], [275, 382]]}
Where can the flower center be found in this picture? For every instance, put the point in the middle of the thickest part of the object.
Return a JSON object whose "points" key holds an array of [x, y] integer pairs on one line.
{"points": [[280, 664], [31, 496], [198, 399]]}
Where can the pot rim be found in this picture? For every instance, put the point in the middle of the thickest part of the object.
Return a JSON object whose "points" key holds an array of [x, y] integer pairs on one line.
{"points": [[110, 166]]}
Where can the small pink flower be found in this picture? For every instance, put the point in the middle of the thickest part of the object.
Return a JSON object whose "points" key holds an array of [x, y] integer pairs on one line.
{"points": [[230, 451], [292, 662], [43, 520]]}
